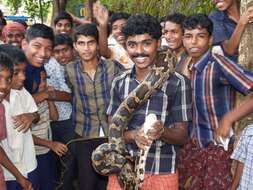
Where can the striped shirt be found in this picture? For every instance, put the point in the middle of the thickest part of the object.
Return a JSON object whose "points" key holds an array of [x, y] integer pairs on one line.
{"points": [[42, 128], [91, 97], [171, 104], [214, 82], [244, 154]]}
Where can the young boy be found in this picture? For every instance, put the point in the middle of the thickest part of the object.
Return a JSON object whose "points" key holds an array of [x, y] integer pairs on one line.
{"points": [[214, 81], [20, 112], [171, 104], [42, 136], [6, 70], [229, 25], [62, 129], [113, 47], [63, 23], [90, 79]]}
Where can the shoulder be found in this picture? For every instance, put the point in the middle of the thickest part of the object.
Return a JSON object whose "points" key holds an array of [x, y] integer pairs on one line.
{"points": [[177, 79], [216, 15], [71, 66], [248, 131]]}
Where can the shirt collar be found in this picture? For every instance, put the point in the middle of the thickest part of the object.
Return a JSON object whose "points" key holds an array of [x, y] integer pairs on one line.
{"points": [[200, 65]]}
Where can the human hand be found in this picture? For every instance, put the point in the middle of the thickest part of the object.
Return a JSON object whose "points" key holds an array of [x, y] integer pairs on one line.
{"points": [[101, 14], [23, 122], [59, 148], [25, 183], [223, 130], [156, 131], [141, 139], [247, 17], [51, 92]]}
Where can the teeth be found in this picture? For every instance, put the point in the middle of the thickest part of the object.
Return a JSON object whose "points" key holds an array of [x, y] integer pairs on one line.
{"points": [[141, 58]]}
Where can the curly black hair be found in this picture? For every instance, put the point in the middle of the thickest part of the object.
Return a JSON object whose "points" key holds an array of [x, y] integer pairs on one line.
{"points": [[142, 24], [198, 21], [176, 18]]}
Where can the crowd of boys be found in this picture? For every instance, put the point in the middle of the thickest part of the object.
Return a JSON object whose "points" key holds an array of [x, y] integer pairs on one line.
{"points": [[64, 83]]}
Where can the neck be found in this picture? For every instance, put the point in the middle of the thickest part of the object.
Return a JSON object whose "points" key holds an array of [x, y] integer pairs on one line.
{"points": [[141, 73], [234, 12], [89, 65]]}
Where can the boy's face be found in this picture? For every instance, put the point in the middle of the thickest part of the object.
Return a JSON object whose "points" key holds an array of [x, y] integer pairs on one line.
{"points": [[38, 50], [196, 42], [5, 83], [18, 77], [173, 34], [223, 5], [117, 27], [63, 27], [87, 47], [63, 54], [142, 49]]}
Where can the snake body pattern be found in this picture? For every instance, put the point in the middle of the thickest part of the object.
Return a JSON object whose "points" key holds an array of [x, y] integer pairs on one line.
{"points": [[112, 157]]}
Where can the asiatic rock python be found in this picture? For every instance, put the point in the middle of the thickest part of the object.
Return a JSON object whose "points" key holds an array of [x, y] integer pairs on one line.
{"points": [[112, 157]]}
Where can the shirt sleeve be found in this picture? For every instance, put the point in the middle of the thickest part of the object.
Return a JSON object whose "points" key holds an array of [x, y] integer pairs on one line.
{"points": [[219, 30], [27, 101], [181, 109], [240, 78]]}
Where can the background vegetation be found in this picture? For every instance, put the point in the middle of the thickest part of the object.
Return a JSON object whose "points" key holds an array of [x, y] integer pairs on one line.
{"points": [[156, 8]]}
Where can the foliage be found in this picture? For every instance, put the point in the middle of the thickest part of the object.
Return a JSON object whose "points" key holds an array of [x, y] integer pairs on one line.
{"points": [[32, 7], [13, 5], [156, 8]]}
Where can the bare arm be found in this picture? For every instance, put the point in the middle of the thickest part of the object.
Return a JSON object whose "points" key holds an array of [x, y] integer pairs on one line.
{"points": [[234, 115], [5, 161], [230, 46], [59, 148], [176, 135], [237, 175], [53, 112], [101, 15], [24, 121]]}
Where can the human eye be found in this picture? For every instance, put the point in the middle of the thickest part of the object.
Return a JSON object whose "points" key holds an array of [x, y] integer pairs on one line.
{"points": [[131, 44]]}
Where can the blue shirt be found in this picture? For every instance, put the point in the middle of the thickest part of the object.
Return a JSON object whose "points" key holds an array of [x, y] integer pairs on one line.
{"points": [[215, 79], [223, 28], [171, 104]]}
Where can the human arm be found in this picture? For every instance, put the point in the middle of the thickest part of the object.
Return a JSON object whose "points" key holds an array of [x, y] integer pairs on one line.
{"points": [[59, 148], [101, 15], [231, 45], [237, 175], [177, 134], [24, 121], [5, 161], [234, 115], [53, 112]]}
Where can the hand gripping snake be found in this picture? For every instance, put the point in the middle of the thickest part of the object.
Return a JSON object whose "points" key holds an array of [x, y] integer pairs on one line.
{"points": [[112, 157]]}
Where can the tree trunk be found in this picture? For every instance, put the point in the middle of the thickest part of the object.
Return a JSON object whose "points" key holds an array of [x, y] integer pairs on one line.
{"points": [[89, 5], [246, 44], [246, 60]]}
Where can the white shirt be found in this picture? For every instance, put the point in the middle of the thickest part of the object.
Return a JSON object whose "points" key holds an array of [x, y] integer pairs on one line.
{"points": [[19, 146], [56, 78]]}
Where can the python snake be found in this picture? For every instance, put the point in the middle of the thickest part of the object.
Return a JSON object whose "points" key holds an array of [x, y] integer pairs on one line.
{"points": [[112, 157]]}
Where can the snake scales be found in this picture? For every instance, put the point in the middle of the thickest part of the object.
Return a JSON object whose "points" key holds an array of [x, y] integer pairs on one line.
{"points": [[112, 157]]}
